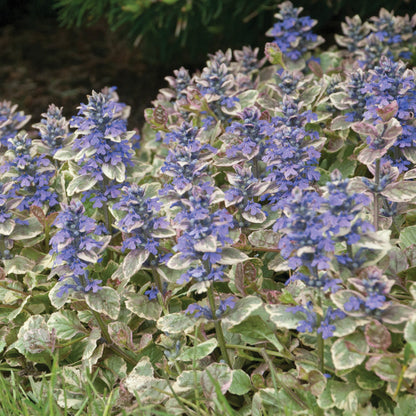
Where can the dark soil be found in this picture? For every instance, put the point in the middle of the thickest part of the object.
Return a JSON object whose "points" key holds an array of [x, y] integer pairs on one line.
{"points": [[42, 63]]}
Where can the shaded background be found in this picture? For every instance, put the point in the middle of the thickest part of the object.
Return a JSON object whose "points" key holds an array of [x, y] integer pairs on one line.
{"points": [[44, 62]]}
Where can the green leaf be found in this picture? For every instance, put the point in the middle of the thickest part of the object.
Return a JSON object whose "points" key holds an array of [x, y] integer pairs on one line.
{"points": [[34, 336], [397, 314], [387, 368], [264, 238], [403, 191], [350, 351], [254, 329], [80, 184], [177, 262], [59, 301], [64, 154], [106, 301], [163, 233], [216, 374], [18, 265], [406, 405], [230, 255], [241, 383], [176, 323], [66, 324], [367, 380], [248, 98], [91, 344], [274, 54], [348, 396], [141, 381], [408, 237], [206, 245], [198, 351], [31, 229], [7, 226], [133, 262], [410, 333], [243, 308], [143, 307], [282, 318]]}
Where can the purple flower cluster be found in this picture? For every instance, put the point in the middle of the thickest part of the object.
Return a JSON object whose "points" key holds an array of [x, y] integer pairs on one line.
{"points": [[205, 311], [29, 174], [218, 85], [76, 248], [312, 224], [11, 121], [291, 157], [325, 326], [293, 34], [187, 159], [8, 220], [244, 193], [179, 83], [343, 209], [53, 129], [204, 234], [383, 34], [354, 31], [247, 60], [356, 97], [373, 291], [391, 81], [251, 133], [140, 221], [103, 144], [305, 239]]}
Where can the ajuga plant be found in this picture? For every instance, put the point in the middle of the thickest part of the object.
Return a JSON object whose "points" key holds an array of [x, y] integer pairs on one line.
{"points": [[254, 256]]}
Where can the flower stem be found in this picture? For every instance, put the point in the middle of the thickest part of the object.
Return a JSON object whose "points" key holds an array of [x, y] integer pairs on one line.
{"points": [[376, 196], [217, 324], [320, 340]]}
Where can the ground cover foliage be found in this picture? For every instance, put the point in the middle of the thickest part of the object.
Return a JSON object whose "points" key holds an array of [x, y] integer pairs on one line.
{"points": [[252, 253]]}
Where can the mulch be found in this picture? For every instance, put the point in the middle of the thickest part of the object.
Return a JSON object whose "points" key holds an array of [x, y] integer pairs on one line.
{"points": [[42, 63]]}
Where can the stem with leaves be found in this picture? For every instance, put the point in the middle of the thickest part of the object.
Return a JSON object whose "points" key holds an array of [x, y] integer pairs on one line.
{"points": [[217, 324], [376, 208], [320, 341], [123, 354]]}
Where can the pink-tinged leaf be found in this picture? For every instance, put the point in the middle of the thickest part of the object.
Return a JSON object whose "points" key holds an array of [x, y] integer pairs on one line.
{"points": [[365, 129], [377, 335], [160, 115], [316, 68], [50, 219], [368, 156], [317, 382], [403, 191], [397, 314], [387, 368], [239, 279], [334, 144], [389, 111], [393, 130], [38, 213]]}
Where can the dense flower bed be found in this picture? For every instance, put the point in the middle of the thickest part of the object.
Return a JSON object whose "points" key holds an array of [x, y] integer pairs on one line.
{"points": [[253, 253]]}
